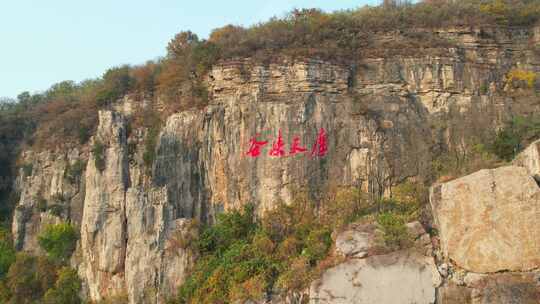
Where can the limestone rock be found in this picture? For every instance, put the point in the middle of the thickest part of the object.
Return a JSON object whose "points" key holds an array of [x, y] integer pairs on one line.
{"points": [[488, 221], [356, 241], [454, 294], [400, 277], [530, 159], [507, 288], [103, 229], [45, 183], [500, 288], [130, 229], [155, 264]]}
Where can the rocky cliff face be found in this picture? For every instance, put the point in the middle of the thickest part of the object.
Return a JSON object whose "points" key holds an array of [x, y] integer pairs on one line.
{"points": [[384, 118]]}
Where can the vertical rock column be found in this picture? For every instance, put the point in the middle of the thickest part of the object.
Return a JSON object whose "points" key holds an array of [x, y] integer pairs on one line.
{"points": [[103, 228]]}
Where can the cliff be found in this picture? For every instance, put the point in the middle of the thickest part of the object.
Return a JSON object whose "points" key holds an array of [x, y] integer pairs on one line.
{"points": [[385, 120]]}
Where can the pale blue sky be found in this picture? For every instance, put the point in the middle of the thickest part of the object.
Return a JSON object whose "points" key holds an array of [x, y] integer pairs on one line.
{"points": [[47, 41]]}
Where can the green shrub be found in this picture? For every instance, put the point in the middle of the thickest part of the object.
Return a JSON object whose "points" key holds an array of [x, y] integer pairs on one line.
{"points": [[516, 76], [317, 244], [395, 232], [346, 206], [230, 227], [243, 258], [66, 289], [84, 134], [499, 9], [5, 293], [150, 144], [515, 135], [507, 143], [58, 241], [7, 252], [56, 210], [41, 203], [27, 169], [74, 172], [117, 82], [29, 278], [484, 89], [99, 155]]}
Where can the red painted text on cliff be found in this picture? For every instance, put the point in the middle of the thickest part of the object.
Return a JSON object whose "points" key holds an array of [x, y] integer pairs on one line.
{"points": [[319, 148]]}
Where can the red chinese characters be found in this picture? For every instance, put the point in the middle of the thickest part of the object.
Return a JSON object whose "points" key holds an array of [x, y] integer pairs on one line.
{"points": [[296, 147], [319, 148], [277, 147], [255, 147]]}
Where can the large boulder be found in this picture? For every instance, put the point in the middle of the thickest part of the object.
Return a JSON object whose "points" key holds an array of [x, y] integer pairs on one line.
{"points": [[399, 277], [488, 221]]}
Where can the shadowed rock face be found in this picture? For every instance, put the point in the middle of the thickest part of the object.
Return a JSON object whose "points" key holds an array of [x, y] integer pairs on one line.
{"points": [[46, 183], [488, 221], [502, 288]]}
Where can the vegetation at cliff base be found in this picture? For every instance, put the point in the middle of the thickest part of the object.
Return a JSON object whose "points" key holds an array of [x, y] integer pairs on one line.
{"points": [[66, 288], [27, 279], [7, 252], [243, 257]]}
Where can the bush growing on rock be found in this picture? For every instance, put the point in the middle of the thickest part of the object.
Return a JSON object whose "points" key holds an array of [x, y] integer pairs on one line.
{"points": [[99, 155], [27, 169], [41, 203], [66, 289], [521, 78], [395, 232], [29, 278], [56, 210], [39, 280], [58, 241], [74, 171], [150, 144], [517, 133], [7, 252]]}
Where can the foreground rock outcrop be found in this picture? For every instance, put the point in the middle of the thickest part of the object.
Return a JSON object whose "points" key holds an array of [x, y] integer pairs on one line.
{"points": [[488, 221], [371, 275], [400, 277], [489, 235]]}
